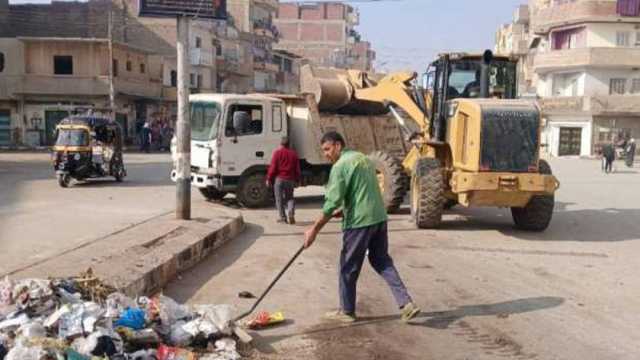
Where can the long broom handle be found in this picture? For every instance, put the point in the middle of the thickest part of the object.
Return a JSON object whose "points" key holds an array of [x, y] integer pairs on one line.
{"points": [[255, 305]]}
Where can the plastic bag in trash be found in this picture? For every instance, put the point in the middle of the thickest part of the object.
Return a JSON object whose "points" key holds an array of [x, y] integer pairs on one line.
{"points": [[21, 352], [132, 318], [201, 325], [12, 323], [150, 354], [80, 319], [117, 303], [33, 329], [171, 353], [29, 291], [220, 315], [170, 311], [178, 336], [6, 288]]}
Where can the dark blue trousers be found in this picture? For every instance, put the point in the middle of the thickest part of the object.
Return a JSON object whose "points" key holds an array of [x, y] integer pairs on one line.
{"points": [[356, 242]]}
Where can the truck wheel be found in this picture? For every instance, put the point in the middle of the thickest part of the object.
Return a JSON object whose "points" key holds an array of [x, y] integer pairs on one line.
{"points": [[391, 178], [537, 214], [253, 191], [449, 204], [427, 194], [212, 194], [64, 180]]}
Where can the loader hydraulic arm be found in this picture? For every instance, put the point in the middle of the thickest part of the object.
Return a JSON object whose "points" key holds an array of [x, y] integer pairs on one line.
{"points": [[394, 89]]}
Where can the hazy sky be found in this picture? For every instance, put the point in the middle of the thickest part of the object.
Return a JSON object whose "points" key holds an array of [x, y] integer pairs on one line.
{"points": [[407, 34]]}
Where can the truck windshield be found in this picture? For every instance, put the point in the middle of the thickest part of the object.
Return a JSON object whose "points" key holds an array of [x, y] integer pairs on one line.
{"points": [[72, 137], [205, 118], [465, 79]]}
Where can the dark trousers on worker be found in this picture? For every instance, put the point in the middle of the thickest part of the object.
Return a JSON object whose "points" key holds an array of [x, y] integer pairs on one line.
{"points": [[285, 203], [356, 243], [608, 164]]}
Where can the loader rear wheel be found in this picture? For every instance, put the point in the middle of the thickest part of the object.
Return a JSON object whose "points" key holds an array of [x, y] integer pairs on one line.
{"points": [[253, 191], [392, 179], [212, 194], [537, 214], [427, 194]]}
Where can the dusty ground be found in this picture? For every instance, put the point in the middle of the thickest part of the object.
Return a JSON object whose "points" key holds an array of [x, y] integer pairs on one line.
{"points": [[39, 219], [487, 291]]}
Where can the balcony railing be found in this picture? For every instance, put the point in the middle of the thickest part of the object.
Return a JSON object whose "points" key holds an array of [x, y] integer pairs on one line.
{"points": [[273, 4], [265, 28], [201, 57], [592, 105], [62, 85], [587, 57], [543, 19]]}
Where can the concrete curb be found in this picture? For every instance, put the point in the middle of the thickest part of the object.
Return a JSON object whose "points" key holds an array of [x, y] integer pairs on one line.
{"points": [[142, 259]]}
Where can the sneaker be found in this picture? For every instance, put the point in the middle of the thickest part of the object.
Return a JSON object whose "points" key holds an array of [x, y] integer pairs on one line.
{"points": [[409, 311], [292, 220], [339, 316]]}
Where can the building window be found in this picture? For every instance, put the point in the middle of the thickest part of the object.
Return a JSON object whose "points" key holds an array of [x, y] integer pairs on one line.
{"points": [[129, 65], [63, 65], [638, 38], [199, 82], [1, 62], [623, 38], [192, 80], [617, 86], [143, 69], [198, 42], [252, 124], [287, 65], [174, 78], [218, 50], [114, 67], [635, 86]]}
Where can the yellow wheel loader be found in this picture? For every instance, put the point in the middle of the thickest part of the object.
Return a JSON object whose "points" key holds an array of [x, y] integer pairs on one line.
{"points": [[472, 142]]}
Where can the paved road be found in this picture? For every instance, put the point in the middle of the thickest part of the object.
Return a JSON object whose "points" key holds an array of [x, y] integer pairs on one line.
{"points": [[38, 219], [487, 291]]}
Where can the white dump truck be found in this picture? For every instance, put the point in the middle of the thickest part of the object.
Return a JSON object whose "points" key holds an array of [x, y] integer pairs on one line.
{"points": [[234, 136]]}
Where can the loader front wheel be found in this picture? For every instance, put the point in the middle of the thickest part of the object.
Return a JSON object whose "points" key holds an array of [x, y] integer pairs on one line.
{"points": [[392, 179], [427, 194], [253, 192], [537, 214]]}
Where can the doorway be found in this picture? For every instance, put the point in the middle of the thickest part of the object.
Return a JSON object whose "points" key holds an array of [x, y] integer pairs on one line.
{"points": [[51, 119], [570, 141], [5, 127]]}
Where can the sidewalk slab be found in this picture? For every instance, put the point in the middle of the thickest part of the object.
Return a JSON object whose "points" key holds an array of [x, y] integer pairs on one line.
{"points": [[142, 259]]}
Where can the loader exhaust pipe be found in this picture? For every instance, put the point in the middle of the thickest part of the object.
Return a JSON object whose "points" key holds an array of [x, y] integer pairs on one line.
{"points": [[485, 67]]}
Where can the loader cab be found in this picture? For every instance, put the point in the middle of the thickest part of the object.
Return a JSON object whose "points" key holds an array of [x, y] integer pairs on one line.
{"points": [[464, 76]]}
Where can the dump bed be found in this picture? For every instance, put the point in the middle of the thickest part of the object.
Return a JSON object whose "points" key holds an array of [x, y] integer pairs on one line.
{"points": [[364, 133]]}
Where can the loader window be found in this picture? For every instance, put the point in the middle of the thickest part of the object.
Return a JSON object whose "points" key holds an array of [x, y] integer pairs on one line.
{"points": [[253, 127]]}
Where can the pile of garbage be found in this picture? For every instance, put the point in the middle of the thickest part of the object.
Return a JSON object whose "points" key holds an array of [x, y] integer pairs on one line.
{"points": [[81, 318]]}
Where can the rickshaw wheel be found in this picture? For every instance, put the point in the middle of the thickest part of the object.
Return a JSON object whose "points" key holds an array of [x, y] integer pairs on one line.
{"points": [[119, 174], [64, 180]]}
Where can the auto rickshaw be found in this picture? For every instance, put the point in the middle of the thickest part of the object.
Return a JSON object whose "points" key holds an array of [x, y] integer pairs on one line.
{"points": [[87, 147]]}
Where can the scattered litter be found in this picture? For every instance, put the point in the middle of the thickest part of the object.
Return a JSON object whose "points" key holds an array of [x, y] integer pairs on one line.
{"points": [[246, 295], [82, 318], [264, 319]]}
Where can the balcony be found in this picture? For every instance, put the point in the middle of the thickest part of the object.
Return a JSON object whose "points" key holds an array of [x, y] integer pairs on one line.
{"points": [[201, 57], [232, 65], [273, 4], [62, 85], [137, 88], [266, 29], [521, 15], [544, 19], [610, 57], [598, 105]]}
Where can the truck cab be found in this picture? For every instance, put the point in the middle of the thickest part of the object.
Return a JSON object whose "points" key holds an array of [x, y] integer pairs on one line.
{"points": [[232, 139]]}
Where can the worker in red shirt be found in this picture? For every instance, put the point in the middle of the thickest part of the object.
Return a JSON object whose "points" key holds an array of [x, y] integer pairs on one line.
{"points": [[284, 175]]}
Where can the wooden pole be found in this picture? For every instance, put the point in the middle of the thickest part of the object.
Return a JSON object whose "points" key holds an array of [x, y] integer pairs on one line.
{"points": [[112, 96], [183, 133]]}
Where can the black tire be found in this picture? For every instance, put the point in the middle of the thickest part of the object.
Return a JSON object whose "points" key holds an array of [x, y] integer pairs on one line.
{"points": [[212, 194], [427, 194], [253, 191], [64, 180], [449, 204], [537, 215], [391, 178], [119, 173]]}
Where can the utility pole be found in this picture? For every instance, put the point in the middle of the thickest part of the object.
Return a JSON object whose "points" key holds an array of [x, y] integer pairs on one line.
{"points": [[183, 133], [112, 100]]}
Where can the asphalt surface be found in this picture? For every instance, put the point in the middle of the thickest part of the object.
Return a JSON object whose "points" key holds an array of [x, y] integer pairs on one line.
{"points": [[486, 290], [39, 219]]}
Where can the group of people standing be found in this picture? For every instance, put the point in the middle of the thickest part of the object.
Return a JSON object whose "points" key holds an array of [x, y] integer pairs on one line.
{"points": [[609, 154], [154, 135]]}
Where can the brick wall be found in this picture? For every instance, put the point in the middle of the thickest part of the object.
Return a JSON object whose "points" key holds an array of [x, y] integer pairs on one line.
{"points": [[312, 12], [335, 32], [336, 11], [288, 32], [288, 11]]}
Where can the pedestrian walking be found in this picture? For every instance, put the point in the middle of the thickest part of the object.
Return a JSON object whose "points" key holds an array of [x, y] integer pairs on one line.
{"points": [[353, 194], [609, 155], [630, 152], [146, 137], [284, 175]]}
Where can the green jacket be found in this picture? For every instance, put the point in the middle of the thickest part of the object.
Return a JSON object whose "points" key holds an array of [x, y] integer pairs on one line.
{"points": [[353, 186]]}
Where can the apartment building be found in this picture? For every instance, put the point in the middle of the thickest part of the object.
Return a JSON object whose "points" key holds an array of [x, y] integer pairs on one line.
{"points": [[255, 17], [324, 33], [584, 61], [54, 61]]}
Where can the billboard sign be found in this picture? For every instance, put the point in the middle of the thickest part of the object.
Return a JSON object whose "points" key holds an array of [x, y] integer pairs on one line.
{"points": [[206, 9]]}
